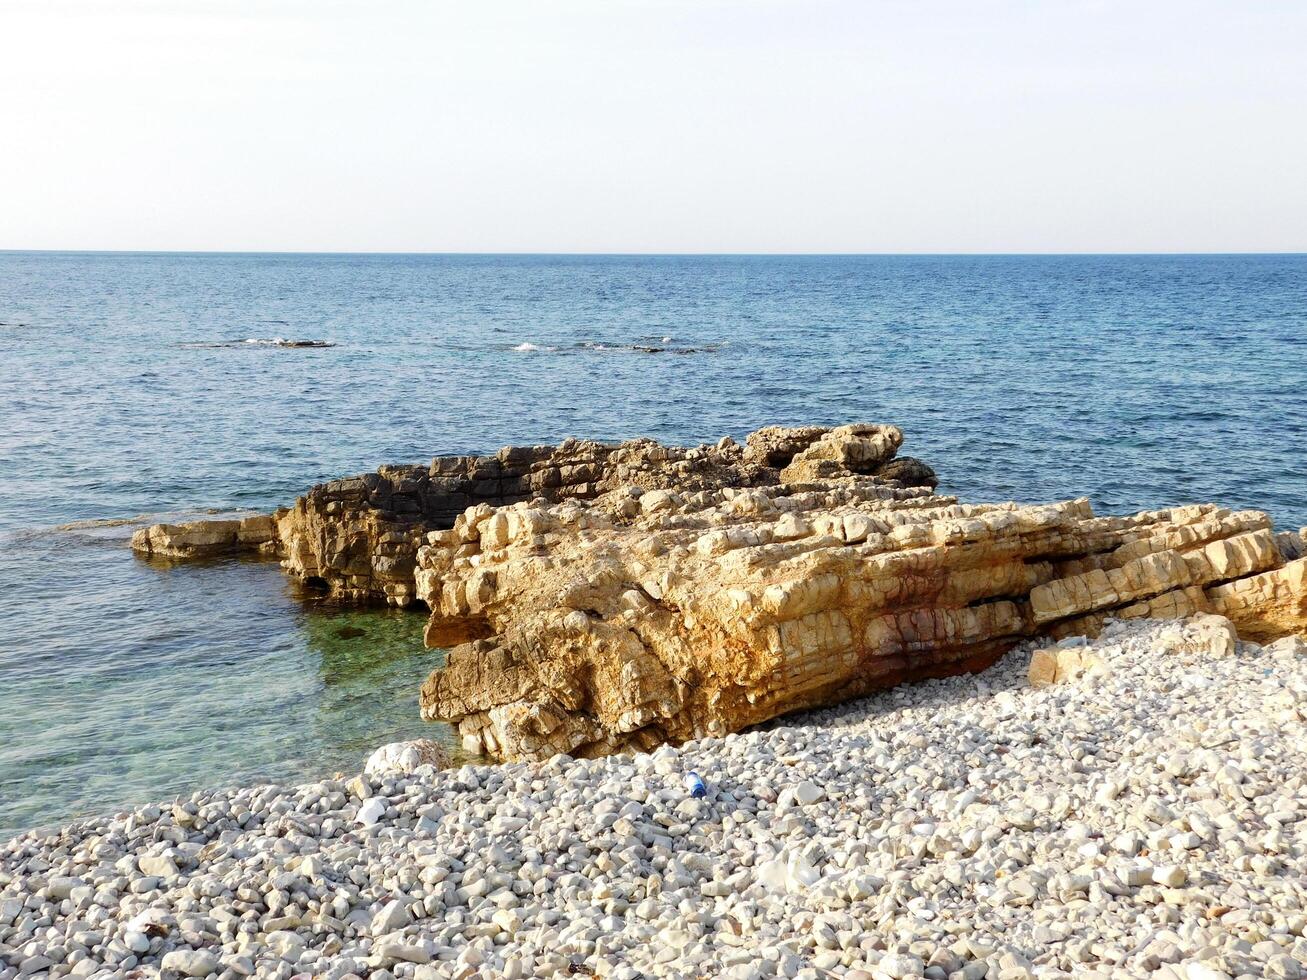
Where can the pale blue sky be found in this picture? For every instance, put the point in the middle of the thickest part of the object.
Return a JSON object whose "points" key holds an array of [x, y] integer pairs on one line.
{"points": [[654, 125]]}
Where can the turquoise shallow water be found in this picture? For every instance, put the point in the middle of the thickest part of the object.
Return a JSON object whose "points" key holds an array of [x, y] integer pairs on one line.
{"points": [[128, 387]]}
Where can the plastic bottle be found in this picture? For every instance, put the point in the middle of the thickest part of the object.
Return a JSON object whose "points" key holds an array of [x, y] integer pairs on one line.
{"points": [[695, 785]]}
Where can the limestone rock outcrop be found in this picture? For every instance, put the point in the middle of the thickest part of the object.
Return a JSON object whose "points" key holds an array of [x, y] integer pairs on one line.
{"points": [[204, 539], [597, 597], [357, 538], [589, 627]]}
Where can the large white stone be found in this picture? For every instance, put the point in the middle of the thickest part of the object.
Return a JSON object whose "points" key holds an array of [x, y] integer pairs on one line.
{"points": [[391, 916], [405, 757], [190, 962], [371, 811]]}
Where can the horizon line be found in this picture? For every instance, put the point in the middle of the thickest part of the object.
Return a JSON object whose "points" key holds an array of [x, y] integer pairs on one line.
{"points": [[645, 254]]}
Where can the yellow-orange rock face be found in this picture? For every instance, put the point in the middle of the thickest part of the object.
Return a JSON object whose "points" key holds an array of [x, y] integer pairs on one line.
{"points": [[207, 538], [642, 617], [603, 596]]}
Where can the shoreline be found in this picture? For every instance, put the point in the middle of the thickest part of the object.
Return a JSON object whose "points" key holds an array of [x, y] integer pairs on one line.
{"points": [[926, 830], [621, 603]]}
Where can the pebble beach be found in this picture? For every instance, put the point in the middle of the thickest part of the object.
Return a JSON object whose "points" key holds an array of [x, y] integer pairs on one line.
{"points": [[653, 491], [1143, 819], [133, 390]]}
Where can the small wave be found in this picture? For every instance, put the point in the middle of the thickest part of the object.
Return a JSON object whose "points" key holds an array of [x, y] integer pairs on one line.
{"points": [[109, 532], [604, 347], [105, 522], [155, 517]]}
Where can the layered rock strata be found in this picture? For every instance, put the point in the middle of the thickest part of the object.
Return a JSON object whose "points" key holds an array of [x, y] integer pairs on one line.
{"points": [[358, 537], [600, 597], [650, 616], [199, 539]]}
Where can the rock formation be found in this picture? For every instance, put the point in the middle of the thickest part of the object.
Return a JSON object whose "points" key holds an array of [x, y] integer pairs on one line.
{"points": [[600, 597], [592, 627], [202, 539], [358, 537]]}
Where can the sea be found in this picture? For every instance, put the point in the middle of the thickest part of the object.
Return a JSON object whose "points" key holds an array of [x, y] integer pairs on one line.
{"points": [[140, 387]]}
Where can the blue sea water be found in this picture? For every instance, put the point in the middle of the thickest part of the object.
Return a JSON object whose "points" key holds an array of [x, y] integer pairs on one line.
{"points": [[129, 387]]}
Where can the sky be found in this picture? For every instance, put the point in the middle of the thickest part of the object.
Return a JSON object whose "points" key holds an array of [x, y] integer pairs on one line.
{"points": [[654, 125]]}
